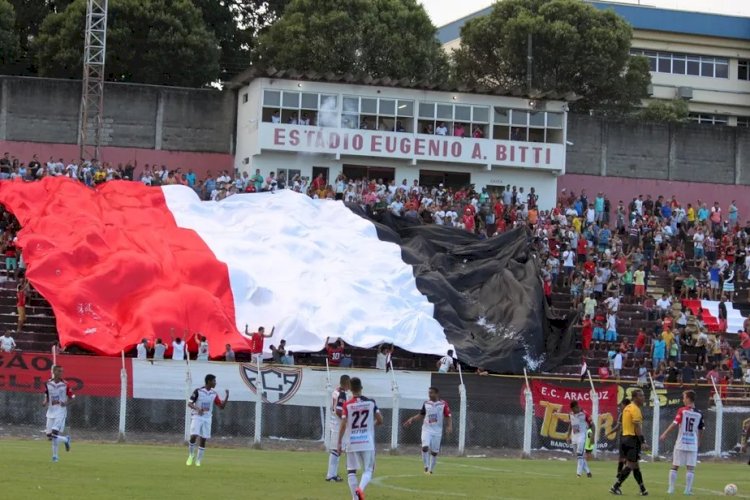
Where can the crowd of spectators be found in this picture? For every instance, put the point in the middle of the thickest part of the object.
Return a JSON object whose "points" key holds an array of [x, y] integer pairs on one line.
{"points": [[600, 253]]}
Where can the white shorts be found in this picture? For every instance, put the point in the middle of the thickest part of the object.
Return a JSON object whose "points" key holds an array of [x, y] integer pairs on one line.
{"points": [[431, 441], [579, 446], [200, 426], [684, 458], [364, 460], [56, 424], [332, 437]]}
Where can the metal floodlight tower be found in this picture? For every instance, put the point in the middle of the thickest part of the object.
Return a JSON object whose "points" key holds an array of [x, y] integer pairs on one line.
{"points": [[92, 96]]}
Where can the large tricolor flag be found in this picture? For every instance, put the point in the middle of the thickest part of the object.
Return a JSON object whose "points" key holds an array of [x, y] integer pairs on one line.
{"points": [[125, 261]]}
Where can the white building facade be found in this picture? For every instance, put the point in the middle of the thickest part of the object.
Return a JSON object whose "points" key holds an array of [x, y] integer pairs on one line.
{"points": [[303, 127]]}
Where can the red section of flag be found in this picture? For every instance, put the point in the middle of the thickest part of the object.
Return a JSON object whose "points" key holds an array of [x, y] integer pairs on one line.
{"points": [[87, 375], [116, 268], [711, 322]]}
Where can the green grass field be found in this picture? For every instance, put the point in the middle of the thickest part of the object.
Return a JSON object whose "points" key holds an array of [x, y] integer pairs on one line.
{"points": [[112, 471]]}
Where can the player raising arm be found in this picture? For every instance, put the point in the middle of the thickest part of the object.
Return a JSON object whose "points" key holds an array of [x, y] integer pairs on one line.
{"points": [[359, 417], [57, 398], [690, 422], [580, 423], [632, 442], [434, 413], [201, 404]]}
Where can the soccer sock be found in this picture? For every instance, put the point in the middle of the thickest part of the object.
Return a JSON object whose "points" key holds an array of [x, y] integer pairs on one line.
{"points": [[620, 465], [201, 451], [333, 464], [433, 462], [54, 447], [579, 467], [586, 466], [426, 459], [353, 483], [639, 478], [191, 449], [672, 479], [624, 473], [366, 477], [689, 481]]}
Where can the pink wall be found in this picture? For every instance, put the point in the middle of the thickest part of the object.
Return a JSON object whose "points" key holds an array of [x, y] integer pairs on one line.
{"points": [[621, 188], [199, 162]]}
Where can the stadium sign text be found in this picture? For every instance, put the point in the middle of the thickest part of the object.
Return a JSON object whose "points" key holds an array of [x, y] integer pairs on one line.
{"points": [[405, 146]]}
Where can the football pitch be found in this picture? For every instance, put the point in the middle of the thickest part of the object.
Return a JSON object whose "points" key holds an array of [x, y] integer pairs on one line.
{"points": [[120, 471]]}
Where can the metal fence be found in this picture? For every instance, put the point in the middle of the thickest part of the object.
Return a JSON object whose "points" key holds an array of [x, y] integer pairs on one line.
{"points": [[491, 414]]}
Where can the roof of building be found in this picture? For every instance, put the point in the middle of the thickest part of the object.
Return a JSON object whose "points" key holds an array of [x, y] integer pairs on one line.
{"points": [[251, 74], [647, 18]]}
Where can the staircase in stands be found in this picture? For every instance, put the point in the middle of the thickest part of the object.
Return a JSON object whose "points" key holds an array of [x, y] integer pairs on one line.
{"points": [[39, 333]]}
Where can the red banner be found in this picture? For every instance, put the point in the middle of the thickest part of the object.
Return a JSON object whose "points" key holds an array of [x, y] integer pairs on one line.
{"points": [[561, 397], [89, 375]]}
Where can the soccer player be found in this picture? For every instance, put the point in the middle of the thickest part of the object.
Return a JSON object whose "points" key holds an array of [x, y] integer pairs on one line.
{"points": [[337, 408], [617, 431], [745, 438], [434, 413], [580, 423], [690, 424], [631, 443], [201, 403], [359, 417], [57, 396]]}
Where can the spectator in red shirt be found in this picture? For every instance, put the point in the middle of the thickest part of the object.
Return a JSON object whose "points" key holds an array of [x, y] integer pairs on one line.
{"points": [[745, 343], [587, 332], [256, 342], [335, 352], [640, 343]]}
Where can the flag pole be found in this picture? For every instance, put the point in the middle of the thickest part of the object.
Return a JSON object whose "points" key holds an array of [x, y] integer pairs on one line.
{"points": [[395, 417], [655, 423], [594, 414]]}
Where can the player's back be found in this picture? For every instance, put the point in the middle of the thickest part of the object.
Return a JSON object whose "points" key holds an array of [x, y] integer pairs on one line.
{"points": [[690, 422], [360, 423], [579, 424], [338, 399]]}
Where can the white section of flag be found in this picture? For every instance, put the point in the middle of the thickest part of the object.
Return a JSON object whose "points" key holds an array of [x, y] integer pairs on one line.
{"points": [[313, 269], [166, 380], [735, 321]]}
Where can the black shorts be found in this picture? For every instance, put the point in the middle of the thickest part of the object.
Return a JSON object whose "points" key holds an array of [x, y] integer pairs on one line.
{"points": [[630, 448]]}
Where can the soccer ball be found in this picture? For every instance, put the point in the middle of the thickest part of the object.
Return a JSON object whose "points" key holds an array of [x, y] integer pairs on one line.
{"points": [[730, 490]]}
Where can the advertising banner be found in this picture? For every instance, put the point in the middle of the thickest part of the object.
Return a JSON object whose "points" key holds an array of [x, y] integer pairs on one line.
{"points": [[277, 384], [89, 375]]}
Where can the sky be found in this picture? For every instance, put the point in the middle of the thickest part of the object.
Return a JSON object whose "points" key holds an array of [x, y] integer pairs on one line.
{"points": [[444, 11]]}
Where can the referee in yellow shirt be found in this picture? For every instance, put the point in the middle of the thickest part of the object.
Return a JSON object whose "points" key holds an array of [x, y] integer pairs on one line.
{"points": [[631, 443]]}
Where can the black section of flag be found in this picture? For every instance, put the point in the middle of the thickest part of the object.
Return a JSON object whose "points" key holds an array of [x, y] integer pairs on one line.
{"points": [[488, 294]]}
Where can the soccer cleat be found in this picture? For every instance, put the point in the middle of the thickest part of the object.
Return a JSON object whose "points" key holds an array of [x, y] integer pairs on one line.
{"points": [[360, 494], [67, 444], [334, 479], [688, 493], [615, 490], [578, 476], [189, 460], [197, 463], [588, 475], [55, 459], [644, 493], [670, 491]]}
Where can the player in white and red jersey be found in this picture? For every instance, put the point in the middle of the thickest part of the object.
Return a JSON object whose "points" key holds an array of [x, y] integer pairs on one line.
{"points": [[359, 417], [201, 403], [689, 421], [435, 412], [338, 399], [580, 423], [57, 396]]}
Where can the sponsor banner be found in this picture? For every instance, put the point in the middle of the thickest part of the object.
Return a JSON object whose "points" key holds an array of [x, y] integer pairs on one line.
{"points": [[89, 375], [277, 384], [375, 143], [552, 408]]}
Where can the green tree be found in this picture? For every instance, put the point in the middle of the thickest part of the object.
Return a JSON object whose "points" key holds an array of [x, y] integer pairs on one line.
{"points": [[28, 19], [163, 42], [8, 37], [381, 38], [236, 25], [575, 47], [675, 111]]}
